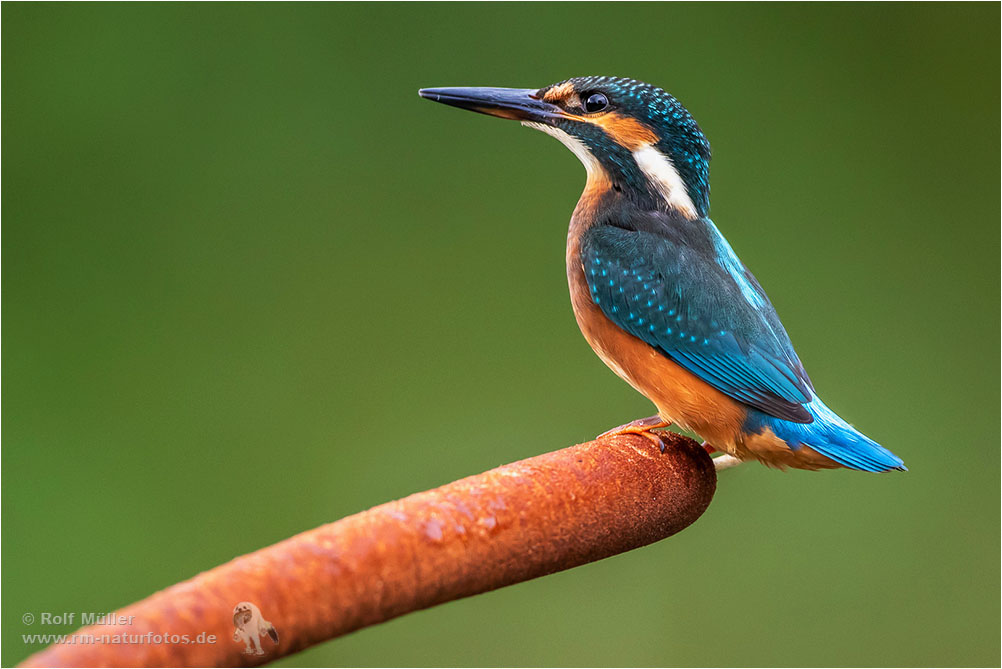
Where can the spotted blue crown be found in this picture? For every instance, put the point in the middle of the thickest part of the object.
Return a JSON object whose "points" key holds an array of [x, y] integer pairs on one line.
{"points": [[680, 137]]}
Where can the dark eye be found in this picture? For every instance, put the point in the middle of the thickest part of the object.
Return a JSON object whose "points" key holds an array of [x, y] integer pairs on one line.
{"points": [[596, 102]]}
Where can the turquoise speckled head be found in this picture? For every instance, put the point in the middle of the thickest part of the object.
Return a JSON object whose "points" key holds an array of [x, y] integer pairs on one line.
{"points": [[678, 135], [634, 135]]}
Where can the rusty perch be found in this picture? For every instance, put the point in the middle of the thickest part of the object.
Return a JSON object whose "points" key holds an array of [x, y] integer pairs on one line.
{"points": [[510, 524]]}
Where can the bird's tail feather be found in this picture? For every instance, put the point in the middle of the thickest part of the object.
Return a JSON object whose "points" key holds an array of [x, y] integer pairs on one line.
{"points": [[831, 436], [858, 451]]}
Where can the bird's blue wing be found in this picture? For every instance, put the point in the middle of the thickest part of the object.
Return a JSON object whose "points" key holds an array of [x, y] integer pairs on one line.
{"points": [[686, 294]]}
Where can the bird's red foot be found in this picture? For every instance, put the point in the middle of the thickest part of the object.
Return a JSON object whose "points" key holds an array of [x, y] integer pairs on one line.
{"points": [[642, 426], [708, 448]]}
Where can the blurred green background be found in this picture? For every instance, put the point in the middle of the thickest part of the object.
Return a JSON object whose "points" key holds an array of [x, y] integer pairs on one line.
{"points": [[242, 258]]}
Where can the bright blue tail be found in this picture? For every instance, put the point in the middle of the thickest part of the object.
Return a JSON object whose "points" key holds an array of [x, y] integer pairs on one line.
{"points": [[832, 437]]}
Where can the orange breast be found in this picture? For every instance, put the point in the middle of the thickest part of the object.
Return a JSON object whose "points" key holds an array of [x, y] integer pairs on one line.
{"points": [[680, 396]]}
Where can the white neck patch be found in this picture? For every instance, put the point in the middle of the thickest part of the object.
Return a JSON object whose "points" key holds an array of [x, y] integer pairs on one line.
{"points": [[661, 172], [577, 147], [656, 166]]}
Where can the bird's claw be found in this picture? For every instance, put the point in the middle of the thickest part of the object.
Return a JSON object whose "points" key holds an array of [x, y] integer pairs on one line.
{"points": [[637, 426], [644, 427]]}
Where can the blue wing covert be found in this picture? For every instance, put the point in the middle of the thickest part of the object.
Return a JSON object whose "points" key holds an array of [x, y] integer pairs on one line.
{"points": [[681, 290]]}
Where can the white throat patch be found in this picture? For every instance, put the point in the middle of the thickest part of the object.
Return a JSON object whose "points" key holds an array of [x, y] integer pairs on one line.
{"points": [[656, 166], [578, 148], [661, 172]]}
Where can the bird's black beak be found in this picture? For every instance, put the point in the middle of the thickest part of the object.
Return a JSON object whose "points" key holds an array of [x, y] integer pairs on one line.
{"points": [[519, 104]]}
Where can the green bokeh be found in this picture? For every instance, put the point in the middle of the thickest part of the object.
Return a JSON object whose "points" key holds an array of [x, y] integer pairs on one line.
{"points": [[244, 264]]}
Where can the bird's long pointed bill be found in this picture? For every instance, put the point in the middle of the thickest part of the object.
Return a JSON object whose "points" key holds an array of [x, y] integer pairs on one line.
{"points": [[519, 104]]}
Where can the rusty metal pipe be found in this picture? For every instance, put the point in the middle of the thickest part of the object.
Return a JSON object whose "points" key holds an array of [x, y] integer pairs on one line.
{"points": [[519, 521]]}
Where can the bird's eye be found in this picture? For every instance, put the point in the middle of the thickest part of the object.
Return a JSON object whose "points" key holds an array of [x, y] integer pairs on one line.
{"points": [[596, 102]]}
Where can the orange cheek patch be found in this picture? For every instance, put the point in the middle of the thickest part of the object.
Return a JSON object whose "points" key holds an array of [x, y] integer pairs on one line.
{"points": [[627, 132]]}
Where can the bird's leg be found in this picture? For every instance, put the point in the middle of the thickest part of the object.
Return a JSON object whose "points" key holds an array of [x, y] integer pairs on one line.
{"points": [[642, 426], [725, 461]]}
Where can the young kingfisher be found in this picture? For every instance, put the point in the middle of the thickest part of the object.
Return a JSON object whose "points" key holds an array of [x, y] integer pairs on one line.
{"points": [[656, 289]]}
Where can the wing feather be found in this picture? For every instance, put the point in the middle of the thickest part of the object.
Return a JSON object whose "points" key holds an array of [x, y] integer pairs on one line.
{"points": [[681, 296]]}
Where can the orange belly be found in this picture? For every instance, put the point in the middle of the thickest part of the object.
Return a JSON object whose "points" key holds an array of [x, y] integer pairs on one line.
{"points": [[680, 396]]}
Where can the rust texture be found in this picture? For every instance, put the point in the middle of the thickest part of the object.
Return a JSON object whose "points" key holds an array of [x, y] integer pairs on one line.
{"points": [[519, 521]]}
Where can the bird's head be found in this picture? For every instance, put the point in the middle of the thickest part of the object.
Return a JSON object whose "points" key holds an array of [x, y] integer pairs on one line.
{"points": [[631, 136]]}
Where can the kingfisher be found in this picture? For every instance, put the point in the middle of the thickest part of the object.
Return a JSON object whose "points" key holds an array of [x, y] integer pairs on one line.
{"points": [[658, 292]]}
